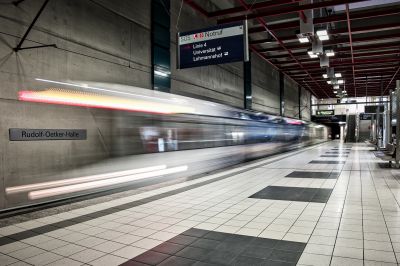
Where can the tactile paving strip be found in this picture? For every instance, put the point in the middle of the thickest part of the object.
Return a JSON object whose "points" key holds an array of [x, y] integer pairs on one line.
{"points": [[320, 195], [204, 247]]}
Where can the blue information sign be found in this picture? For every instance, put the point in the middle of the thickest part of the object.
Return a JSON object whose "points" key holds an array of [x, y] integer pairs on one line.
{"points": [[211, 46]]}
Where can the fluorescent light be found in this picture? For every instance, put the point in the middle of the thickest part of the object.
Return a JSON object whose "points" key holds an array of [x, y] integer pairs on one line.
{"points": [[338, 75], [335, 92], [303, 40], [322, 32], [335, 87], [311, 54], [329, 53], [249, 97], [329, 82], [323, 37], [340, 81], [325, 76]]}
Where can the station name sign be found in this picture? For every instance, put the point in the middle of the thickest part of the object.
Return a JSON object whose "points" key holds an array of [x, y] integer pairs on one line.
{"points": [[221, 44], [21, 134], [325, 112]]}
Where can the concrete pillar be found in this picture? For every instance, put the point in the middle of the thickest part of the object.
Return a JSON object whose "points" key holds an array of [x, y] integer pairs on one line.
{"points": [[397, 122], [299, 90], [281, 93], [160, 45], [248, 95]]}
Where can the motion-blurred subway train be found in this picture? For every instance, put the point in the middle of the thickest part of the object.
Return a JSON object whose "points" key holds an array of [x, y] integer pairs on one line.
{"points": [[141, 137]]}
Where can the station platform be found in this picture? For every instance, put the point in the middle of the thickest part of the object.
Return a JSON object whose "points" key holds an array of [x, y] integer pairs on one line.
{"points": [[329, 204]]}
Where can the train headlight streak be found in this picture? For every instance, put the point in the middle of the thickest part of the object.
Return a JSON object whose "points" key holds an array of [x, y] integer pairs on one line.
{"points": [[91, 100], [38, 194], [78, 180]]}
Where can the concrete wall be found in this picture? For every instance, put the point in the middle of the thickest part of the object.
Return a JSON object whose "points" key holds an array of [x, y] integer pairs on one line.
{"points": [[265, 86], [291, 98]]}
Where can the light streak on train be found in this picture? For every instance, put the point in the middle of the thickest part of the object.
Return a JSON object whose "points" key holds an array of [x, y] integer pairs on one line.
{"points": [[85, 99], [102, 183], [70, 181]]}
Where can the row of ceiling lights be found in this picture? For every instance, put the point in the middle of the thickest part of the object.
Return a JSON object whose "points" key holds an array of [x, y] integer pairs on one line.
{"points": [[318, 51]]}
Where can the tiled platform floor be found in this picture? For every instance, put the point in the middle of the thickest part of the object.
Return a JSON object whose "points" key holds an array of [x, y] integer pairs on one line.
{"points": [[358, 225]]}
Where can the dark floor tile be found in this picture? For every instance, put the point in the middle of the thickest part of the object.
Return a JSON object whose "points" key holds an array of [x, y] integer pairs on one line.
{"points": [[168, 248], [216, 235], [151, 257], [282, 255], [239, 239], [133, 263], [23, 235], [5, 240], [264, 242], [195, 232], [325, 162], [304, 174], [333, 155], [290, 246], [278, 263], [236, 247], [293, 194], [44, 229], [202, 263], [183, 240], [205, 243], [220, 257], [247, 261], [193, 253], [257, 252], [177, 261]]}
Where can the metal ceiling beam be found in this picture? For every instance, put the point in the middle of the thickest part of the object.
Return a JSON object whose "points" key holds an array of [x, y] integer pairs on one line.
{"points": [[18, 47], [338, 58], [391, 80], [334, 18], [388, 37], [351, 43], [260, 5], [197, 7], [347, 63], [358, 30], [273, 35], [358, 48], [287, 10]]}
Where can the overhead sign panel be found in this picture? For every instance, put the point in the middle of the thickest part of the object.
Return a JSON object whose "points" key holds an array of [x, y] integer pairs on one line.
{"points": [[22, 134], [325, 112], [211, 46], [372, 109]]}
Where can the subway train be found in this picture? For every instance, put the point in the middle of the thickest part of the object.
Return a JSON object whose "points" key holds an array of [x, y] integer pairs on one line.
{"points": [[154, 137]]}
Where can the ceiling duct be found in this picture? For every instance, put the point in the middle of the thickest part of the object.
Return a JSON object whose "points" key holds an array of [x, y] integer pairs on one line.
{"points": [[307, 24], [324, 60]]}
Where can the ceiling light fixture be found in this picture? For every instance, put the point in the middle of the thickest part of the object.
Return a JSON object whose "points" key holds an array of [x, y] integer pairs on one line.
{"points": [[303, 40], [322, 32], [338, 75], [322, 35], [312, 54], [340, 81], [325, 76], [330, 53], [329, 82]]}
